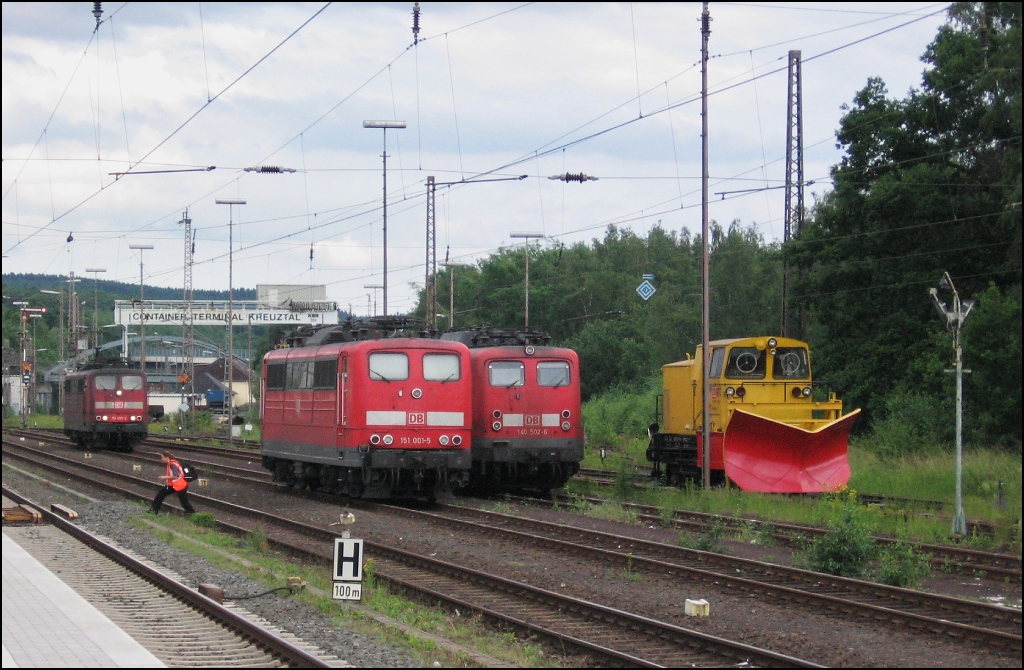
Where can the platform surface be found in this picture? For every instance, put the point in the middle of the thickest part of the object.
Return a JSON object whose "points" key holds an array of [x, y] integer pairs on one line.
{"points": [[46, 624]]}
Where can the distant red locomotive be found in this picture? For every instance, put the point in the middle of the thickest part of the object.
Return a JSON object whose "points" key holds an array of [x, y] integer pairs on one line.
{"points": [[347, 413], [106, 405], [527, 428]]}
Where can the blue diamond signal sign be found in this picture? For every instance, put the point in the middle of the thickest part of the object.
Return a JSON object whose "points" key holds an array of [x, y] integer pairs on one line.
{"points": [[646, 289]]}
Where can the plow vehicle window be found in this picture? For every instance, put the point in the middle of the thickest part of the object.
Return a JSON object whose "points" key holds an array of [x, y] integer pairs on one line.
{"points": [[553, 373], [131, 383], [790, 363], [717, 358], [746, 363], [441, 367], [506, 373], [106, 382], [389, 367]]}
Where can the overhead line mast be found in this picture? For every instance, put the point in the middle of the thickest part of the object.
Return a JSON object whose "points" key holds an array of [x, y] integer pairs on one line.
{"points": [[188, 333], [794, 216]]}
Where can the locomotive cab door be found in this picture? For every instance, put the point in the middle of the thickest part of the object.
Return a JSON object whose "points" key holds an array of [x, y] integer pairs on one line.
{"points": [[343, 398]]}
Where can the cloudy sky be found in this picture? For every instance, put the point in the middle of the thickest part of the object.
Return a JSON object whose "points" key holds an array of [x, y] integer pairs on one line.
{"points": [[108, 132]]}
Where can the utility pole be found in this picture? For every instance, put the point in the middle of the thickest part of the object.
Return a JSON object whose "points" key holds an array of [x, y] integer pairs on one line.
{"points": [[705, 31], [794, 215]]}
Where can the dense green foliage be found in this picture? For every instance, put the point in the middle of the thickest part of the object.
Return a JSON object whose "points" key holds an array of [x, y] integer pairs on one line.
{"points": [[929, 184]]}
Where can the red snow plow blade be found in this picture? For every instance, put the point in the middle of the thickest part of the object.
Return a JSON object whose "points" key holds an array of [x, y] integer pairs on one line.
{"points": [[767, 456]]}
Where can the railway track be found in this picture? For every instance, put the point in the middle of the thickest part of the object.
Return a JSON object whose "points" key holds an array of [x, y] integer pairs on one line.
{"points": [[603, 635], [175, 623], [243, 466]]}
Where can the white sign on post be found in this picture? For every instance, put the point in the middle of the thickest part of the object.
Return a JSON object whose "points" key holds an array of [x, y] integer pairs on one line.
{"points": [[348, 568]]}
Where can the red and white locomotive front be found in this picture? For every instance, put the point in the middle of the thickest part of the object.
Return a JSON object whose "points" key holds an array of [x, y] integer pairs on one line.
{"points": [[106, 406], [527, 428], [374, 418]]}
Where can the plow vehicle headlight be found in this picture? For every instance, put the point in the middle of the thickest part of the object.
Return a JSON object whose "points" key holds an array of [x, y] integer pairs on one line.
{"points": [[807, 391], [772, 342], [730, 391]]}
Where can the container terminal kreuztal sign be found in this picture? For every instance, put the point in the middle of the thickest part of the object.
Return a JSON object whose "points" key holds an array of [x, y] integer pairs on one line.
{"points": [[215, 313]]}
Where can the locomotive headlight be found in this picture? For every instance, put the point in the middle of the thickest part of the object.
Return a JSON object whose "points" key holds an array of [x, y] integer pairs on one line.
{"points": [[807, 391], [119, 392], [496, 426], [730, 391], [496, 414], [99, 418], [566, 414], [375, 439], [388, 439], [456, 440], [105, 418], [417, 393], [443, 440], [566, 426]]}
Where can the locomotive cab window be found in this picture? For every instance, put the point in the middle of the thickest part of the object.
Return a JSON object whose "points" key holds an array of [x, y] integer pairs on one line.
{"points": [[106, 382], [389, 367], [131, 382], [441, 367], [746, 363], [506, 373], [276, 375], [717, 361], [790, 363], [553, 373]]}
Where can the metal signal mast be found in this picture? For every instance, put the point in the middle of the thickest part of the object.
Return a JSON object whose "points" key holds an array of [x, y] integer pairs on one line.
{"points": [[431, 278], [188, 333], [794, 218]]}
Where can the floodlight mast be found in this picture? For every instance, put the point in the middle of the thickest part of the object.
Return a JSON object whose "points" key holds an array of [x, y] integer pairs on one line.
{"points": [[385, 125]]}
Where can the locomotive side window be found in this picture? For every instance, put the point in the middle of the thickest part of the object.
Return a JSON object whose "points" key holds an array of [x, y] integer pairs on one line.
{"points": [[441, 368], [790, 363], [717, 360], [276, 376], [746, 363], [131, 382], [325, 374], [389, 367], [300, 375], [553, 373], [506, 373], [106, 382]]}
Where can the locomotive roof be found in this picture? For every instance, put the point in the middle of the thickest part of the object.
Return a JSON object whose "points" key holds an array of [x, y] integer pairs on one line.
{"points": [[388, 344], [483, 335]]}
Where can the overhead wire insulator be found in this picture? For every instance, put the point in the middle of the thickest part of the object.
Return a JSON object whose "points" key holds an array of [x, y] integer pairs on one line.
{"points": [[570, 176], [415, 23], [97, 11], [269, 169]]}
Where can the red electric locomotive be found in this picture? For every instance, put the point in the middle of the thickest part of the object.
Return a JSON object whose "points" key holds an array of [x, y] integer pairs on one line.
{"points": [[527, 428], [105, 405], [350, 412]]}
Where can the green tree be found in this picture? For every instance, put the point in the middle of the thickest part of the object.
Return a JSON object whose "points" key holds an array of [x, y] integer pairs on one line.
{"points": [[928, 184]]}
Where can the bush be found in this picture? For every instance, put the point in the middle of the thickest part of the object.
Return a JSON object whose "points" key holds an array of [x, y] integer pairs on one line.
{"points": [[900, 564], [847, 546]]}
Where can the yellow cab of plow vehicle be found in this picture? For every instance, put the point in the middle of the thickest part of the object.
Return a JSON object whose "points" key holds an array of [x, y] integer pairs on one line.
{"points": [[773, 430]]}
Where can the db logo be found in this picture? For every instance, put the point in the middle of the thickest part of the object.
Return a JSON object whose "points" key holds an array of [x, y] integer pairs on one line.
{"points": [[417, 419], [532, 419], [118, 404]]}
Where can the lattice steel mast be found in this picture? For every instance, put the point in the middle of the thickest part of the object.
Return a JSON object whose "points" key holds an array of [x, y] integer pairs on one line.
{"points": [[794, 217]]}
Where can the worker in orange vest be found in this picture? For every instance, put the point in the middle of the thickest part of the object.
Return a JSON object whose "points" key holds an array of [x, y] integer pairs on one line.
{"points": [[174, 481]]}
